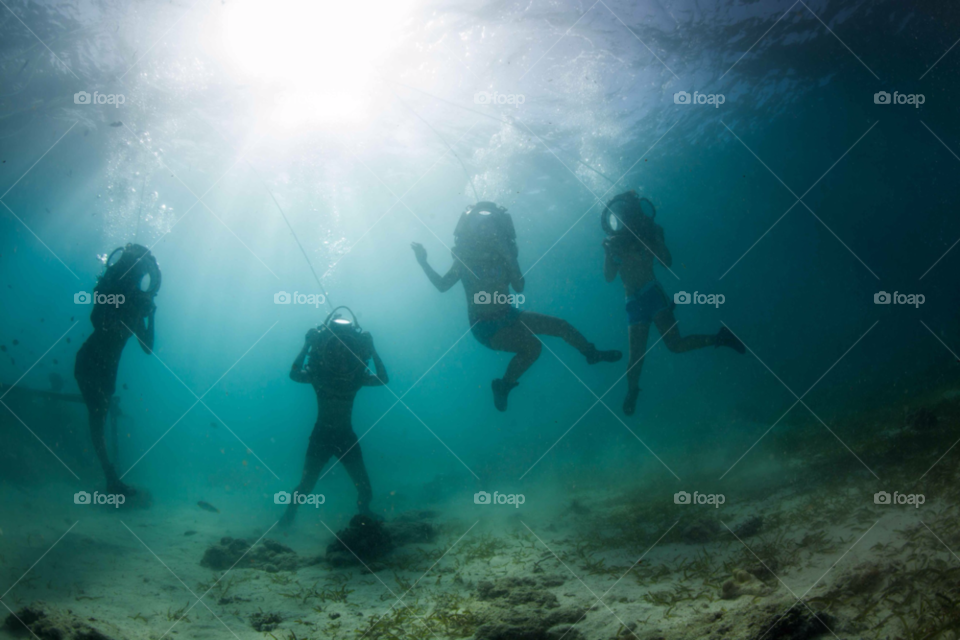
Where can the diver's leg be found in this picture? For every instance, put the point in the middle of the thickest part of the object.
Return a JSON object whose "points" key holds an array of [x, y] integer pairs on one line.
{"points": [[352, 461], [517, 339], [318, 452], [98, 407], [638, 334], [545, 325], [667, 325], [114, 413], [97, 381], [98, 420]]}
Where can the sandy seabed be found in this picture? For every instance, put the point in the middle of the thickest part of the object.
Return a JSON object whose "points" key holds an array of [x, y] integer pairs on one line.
{"points": [[815, 557]]}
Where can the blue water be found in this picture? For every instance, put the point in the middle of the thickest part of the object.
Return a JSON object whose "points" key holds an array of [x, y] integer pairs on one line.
{"points": [[798, 119]]}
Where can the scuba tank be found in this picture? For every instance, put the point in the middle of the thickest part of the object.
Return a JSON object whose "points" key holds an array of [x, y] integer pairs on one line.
{"points": [[483, 224], [131, 266], [339, 349], [627, 211]]}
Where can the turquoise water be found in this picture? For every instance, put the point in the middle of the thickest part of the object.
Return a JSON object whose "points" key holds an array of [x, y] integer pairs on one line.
{"points": [[374, 131]]}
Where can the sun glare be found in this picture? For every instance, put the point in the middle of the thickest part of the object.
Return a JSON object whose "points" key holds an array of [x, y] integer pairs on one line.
{"points": [[314, 59]]}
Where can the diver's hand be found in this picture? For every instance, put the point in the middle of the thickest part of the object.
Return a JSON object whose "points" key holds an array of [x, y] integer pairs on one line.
{"points": [[419, 251], [145, 306], [311, 336]]}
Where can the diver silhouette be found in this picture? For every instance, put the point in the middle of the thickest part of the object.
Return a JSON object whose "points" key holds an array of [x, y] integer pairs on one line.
{"points": [[334, 360], [634, 240], [485, 261], [122, 306]]}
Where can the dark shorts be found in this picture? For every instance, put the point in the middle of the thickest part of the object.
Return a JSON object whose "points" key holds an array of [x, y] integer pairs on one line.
{"points": [[327, 440], [484, 330], [645, 304]]}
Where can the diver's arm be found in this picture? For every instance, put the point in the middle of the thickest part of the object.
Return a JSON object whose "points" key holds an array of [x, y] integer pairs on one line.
{"points": [[145, 333], [381, 378], [447, 280], [297, 374], [660, 246], [610, 264], [442, 283]]}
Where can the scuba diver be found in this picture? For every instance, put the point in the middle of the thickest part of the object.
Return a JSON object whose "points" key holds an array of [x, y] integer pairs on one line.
{"points": [[634, 240], [122, 306], [485, 260], [334, 360]]}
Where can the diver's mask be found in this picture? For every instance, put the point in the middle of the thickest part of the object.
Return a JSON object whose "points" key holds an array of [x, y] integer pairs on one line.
{"points": [[485, 221], [626, 211], [339, 347], [134, 261]]}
